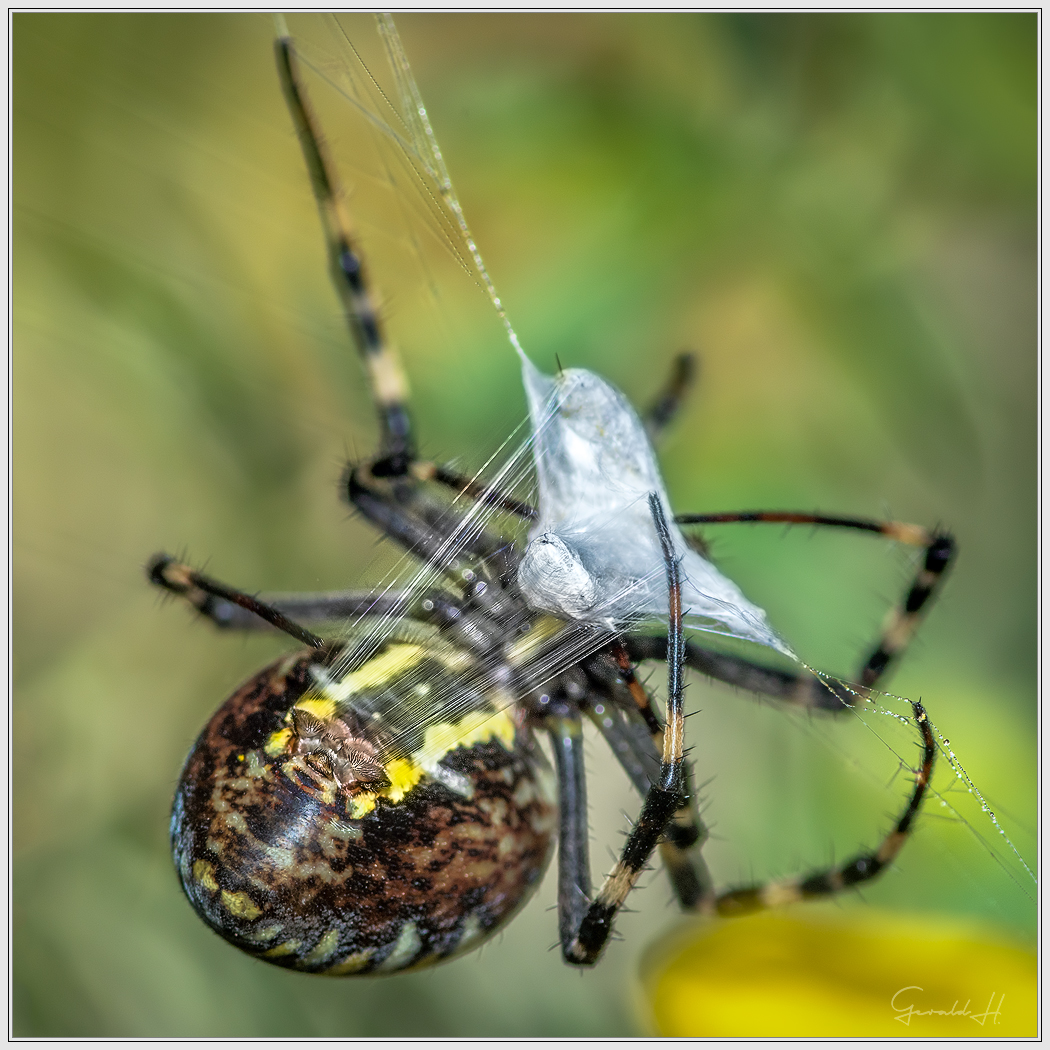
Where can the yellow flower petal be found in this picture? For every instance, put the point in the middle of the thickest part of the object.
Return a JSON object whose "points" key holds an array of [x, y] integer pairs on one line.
{"points": [[873, 974]]}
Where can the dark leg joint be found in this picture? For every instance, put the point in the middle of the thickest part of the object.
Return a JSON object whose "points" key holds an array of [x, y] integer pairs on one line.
{"points": [[595, 928], [940, 553], [395, 464], [875, 667], [682, 835], [861, 869]]}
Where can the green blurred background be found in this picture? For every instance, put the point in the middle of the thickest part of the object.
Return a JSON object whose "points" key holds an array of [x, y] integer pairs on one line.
{"points": [[837, 211]]}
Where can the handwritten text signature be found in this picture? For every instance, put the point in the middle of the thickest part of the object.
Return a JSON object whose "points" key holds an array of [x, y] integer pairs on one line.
{"points": [[906, 1012]]}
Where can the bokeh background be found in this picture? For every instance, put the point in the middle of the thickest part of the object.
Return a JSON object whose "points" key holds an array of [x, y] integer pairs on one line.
{"points": [[838, 212]]}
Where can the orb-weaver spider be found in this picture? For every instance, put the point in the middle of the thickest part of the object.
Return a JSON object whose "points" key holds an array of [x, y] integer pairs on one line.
{"points": [[378, 802]]}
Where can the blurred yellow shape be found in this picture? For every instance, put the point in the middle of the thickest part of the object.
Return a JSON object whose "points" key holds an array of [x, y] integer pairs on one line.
{"points": [[876, 974]]}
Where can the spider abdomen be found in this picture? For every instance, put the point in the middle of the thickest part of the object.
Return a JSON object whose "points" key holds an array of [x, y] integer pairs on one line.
{"points": [[310, 869]]}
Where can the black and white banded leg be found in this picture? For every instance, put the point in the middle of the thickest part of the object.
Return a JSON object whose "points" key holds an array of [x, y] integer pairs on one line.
{"points": [[939, 551], [584, 937], [857, 870], [637, 744], [685, 834], [391, 476], [386, 379]]}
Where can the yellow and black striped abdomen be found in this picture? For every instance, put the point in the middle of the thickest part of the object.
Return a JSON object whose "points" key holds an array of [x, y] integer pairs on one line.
{"points": [[300, 839]]}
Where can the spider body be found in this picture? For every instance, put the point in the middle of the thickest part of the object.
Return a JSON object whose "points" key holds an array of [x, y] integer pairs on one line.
{"points": [[379, 802], [290, 862]]}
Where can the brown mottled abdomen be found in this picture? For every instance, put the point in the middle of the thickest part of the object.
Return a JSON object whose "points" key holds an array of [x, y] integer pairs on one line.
{"points": [[280, 869]]}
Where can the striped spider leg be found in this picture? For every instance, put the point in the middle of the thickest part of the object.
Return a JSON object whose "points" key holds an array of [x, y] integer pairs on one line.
{"points": [[586, 924], [939, 550]]}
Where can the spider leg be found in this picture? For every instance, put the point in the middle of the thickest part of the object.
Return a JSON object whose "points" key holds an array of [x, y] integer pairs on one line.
{"points": [[440, 537], [638, 753], [663, 799], [322, 607], [396, 458], [574, 871], [480, 491], [667, 403], [403, 517], [803, 690], [497, 552], [387, 381], [691, 879], [903, 619], [859, 869], [230, 609], [203, 592], [626, 737], [686, 867]]}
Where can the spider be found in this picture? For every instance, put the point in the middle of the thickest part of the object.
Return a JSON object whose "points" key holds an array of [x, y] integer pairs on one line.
{"points": [[377, 800]]}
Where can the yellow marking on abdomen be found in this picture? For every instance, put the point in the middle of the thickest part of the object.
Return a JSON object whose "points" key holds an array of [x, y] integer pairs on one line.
{"points": [[408, 945], [204, 873], [471, 930], [285, 948], [394, 661], [321, 707], [241, 905], [361, 805], [475, 728], [267, 933], [351, 964], [278, 742], [405, 773], [323, 949]]}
